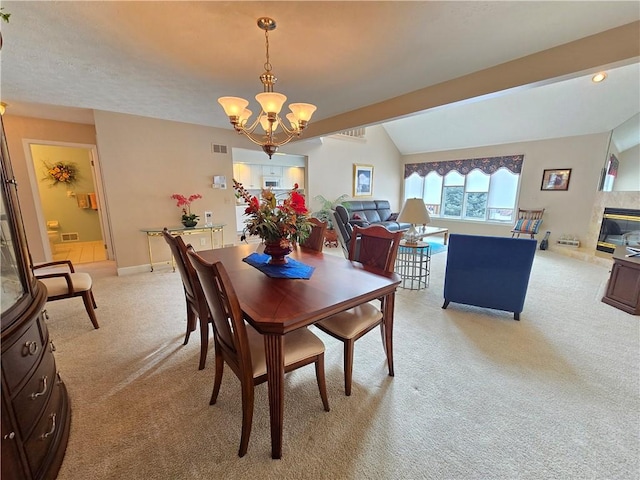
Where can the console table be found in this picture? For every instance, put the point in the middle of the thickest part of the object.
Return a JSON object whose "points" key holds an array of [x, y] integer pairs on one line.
{"points": [[157, 232], [413, 264], [623, 289]]}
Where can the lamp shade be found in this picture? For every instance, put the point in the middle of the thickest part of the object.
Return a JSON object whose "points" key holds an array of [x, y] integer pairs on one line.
{"points": [[233, 106], [271, 102], [415, 212], [302, 111]]}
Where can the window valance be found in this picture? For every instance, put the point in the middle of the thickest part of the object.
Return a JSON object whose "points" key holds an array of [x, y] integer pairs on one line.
{"points": [[487, 165]]}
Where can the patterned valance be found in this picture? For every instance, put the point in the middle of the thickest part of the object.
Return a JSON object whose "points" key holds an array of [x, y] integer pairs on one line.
{"points": [[487, 165]]}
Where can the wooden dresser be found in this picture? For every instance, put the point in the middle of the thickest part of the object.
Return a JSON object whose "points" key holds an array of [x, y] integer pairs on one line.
{"points": [[623, 289], [35, 408]]}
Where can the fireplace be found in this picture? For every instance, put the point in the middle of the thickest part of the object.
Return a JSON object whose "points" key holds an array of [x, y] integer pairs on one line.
{"points": [[620, 226]]}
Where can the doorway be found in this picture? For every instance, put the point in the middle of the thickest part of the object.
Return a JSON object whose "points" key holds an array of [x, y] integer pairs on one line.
{"points": [[67, 196]]}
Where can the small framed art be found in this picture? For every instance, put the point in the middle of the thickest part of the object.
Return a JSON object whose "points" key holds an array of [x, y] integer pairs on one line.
{"points": [[362, 180], [556, 179]]}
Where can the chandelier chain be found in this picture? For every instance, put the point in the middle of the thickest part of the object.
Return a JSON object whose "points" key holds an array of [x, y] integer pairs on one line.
{"points": [[267, 64]]}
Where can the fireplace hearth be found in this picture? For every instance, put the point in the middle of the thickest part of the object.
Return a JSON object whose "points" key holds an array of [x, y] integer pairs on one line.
{"points": [[620, 226]]}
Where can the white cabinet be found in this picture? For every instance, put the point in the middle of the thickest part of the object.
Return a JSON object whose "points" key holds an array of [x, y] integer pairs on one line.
{"points": [[272, 170], [242, 173], [240, 217], [293, 175]]}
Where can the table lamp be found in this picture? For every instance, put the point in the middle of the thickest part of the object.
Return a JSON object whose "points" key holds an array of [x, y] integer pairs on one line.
{"points": [[415, 213]]}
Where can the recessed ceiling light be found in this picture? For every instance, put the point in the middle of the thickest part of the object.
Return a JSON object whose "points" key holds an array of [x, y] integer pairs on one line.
{"points": [[599, 77]]}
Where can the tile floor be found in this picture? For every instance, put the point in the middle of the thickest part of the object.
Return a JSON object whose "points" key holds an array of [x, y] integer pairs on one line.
{"points": [[80, 252]]}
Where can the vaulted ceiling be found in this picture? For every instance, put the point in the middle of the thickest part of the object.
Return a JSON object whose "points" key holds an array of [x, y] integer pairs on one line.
{"points": [[438, 75]]}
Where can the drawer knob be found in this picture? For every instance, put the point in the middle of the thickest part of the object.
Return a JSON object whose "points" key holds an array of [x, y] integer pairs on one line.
{"points": [[30, 348], [42, 392], [53, 427], [10, 436]]}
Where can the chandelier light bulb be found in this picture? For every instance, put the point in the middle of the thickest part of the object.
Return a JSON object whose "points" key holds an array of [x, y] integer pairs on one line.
{"points": [[271, 102], [244, 117], [293, 121], [265, 123]]}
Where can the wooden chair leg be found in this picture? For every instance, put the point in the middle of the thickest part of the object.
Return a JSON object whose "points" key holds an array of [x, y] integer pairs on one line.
{"points": [[191, 324], [348, 366], [247, 417], [93, 300], [217, 379], [89, 307], [322, 384], [204, 342]]}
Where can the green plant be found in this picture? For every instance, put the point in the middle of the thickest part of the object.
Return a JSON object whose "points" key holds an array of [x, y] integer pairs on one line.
{"points": [[326, 206]]}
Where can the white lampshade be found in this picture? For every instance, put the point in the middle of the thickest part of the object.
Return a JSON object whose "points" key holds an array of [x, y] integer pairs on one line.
{"points": [[293, 121], [271, 102], [414, 212], [264, 121], [302, 111], [244, 117], [233, 106]]}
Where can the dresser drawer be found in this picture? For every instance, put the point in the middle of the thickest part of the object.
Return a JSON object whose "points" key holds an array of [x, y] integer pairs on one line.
{"points": [[47, 430], [30, 401], [23, 355]]}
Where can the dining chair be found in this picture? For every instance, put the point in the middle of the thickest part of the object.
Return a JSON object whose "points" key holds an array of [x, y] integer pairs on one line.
{"points": [[242, 347], [315, 240], [528, 222], [196, 303], [376, 247], [68, 284]]}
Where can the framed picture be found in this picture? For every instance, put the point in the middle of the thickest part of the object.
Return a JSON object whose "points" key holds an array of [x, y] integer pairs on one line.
{"points": [[362, 180], [557, 179]]}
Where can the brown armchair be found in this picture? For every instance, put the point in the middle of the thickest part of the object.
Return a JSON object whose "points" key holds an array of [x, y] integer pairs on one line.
{"points": [[68, 284]]}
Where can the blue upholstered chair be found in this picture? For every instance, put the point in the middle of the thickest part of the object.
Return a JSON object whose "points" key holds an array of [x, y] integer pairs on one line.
{"points": [[491, 272]]}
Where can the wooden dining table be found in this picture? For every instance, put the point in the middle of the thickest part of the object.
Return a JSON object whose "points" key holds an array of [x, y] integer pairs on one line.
{"points": [[276, 306]]}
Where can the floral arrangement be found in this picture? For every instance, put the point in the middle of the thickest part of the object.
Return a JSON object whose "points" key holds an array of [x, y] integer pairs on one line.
{"points": [[285, 222], [188, 219], [61, 172]]}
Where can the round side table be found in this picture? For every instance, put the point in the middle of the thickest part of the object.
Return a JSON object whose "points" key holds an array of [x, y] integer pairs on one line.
{"points": [[413, 264]]}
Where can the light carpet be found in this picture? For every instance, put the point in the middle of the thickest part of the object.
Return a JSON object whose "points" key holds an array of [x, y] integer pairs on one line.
{"points": [[476, 394]]}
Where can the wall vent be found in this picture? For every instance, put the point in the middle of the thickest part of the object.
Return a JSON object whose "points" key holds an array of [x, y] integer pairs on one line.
{"points": [[69, 237], [218, 148]]}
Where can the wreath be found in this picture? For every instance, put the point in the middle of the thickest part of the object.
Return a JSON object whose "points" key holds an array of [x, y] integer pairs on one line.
{"points": [[61, 172]]}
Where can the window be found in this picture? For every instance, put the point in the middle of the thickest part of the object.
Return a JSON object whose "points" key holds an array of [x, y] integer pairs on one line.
{"points": [[481, 189]]}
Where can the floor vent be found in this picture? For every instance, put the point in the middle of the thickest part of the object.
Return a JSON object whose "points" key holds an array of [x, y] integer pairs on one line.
{"points": [[218, 148], [69, 237]]}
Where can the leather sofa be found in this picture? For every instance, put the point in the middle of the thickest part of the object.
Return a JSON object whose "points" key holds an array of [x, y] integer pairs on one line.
{"points": [[369, 212], [490, 272]]}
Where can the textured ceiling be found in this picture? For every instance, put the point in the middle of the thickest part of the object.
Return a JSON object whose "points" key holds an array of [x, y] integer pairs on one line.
{"points": [[172, 60]]}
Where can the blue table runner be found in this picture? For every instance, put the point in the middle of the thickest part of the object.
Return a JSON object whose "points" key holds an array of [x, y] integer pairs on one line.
{"points": [[291, 269]]}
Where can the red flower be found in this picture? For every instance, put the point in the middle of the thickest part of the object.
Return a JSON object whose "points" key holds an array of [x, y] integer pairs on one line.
{"points": [[297, 203], [254, 206]]}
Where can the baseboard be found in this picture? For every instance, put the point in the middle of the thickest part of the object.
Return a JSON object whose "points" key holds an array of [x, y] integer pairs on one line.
{"points": [[157, 267]]}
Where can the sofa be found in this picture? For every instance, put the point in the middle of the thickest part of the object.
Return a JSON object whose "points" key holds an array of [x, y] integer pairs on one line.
{"points": [[369, 212], [490, 272]]}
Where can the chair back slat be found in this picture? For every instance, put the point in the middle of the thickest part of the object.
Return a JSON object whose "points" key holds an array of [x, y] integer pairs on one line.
{"points": [[187, 273], [224, 308], [375, 246], [315, 240]]}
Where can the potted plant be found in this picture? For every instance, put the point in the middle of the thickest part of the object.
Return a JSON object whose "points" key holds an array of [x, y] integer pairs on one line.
{"points": [[324, 214]]}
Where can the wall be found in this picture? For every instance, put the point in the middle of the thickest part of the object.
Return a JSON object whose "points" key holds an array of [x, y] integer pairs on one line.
{"points": [[146, 160], [566, 212], [59, 201], [17, 129], [331, 163], [629, 171]]}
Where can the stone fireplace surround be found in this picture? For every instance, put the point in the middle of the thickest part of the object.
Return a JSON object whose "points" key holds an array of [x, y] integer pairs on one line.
{"points": [[587, 251]]}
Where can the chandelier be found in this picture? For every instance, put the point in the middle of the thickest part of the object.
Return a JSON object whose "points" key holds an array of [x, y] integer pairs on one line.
{"points": [[276, 131]]}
